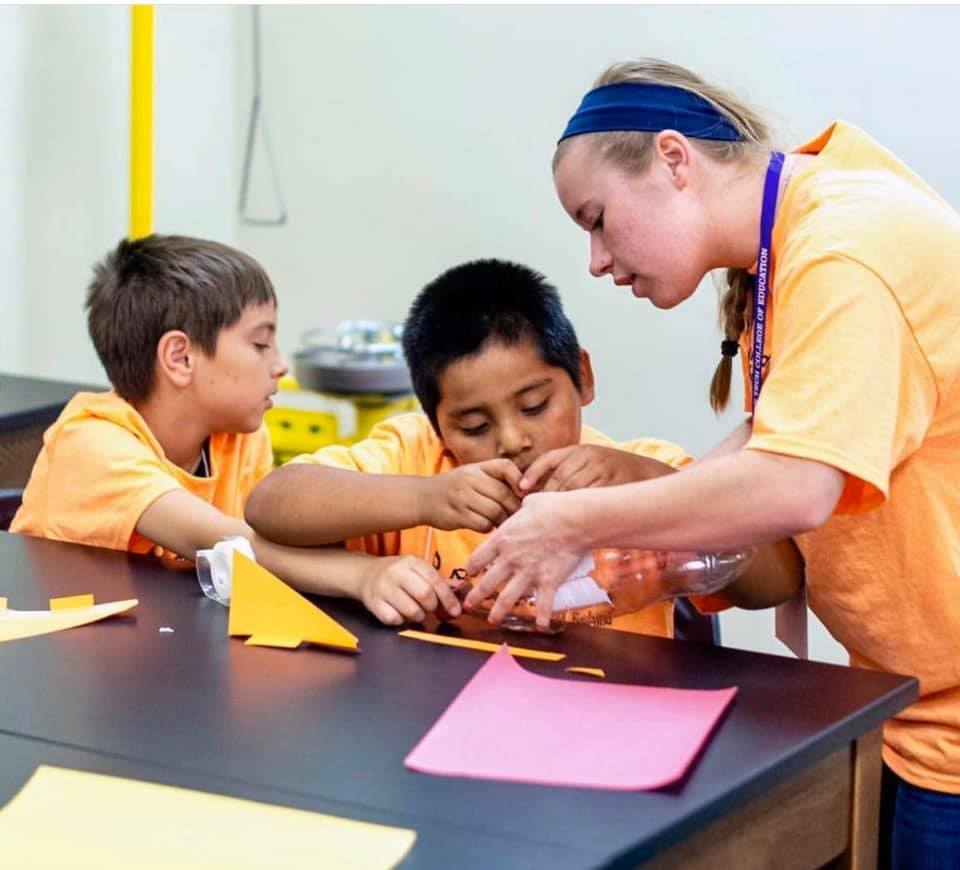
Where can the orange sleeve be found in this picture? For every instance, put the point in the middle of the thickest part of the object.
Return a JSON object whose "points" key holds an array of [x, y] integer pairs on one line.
{"points": [[101, 478], [654, 448], [390, 448], [263, 451], [848, 385], [708, 604]]}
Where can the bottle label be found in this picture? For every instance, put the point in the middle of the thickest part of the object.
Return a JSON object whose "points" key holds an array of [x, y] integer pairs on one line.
{"points": [[580, 592]]}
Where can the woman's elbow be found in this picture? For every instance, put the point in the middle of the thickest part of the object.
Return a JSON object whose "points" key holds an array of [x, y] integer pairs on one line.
{"points": [[815, 499]]}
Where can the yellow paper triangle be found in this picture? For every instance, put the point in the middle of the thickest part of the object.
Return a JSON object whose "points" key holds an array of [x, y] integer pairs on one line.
{"points": [[71, 602], [273, 640], [273, 614]]}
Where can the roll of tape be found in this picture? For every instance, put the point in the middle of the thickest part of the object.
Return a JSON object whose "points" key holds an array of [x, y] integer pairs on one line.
{"points": [[215, 567]]}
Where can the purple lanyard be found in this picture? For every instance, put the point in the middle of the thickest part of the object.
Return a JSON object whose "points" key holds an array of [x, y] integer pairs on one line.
{"points": [[762, 284]]}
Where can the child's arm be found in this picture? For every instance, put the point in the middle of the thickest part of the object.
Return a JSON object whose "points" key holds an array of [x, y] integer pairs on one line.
{"points": [[394, 589], [183, 523], [315, 505], [583, 465], [775, 575]]}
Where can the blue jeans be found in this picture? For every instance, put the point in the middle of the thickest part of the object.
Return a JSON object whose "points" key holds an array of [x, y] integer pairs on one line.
{"points": [[919, 828]]}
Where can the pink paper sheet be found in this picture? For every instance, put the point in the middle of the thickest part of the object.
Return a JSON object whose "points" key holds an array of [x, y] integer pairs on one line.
{"points": [[509, 724]]}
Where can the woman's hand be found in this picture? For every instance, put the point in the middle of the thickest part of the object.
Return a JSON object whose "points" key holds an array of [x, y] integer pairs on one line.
{"points": [[535, 549]]}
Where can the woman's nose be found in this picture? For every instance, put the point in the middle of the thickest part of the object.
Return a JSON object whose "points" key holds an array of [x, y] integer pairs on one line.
{"points": [[600, 260]]}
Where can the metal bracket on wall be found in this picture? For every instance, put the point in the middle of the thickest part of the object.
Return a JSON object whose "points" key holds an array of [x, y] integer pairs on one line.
{"points": [[257, 115]]}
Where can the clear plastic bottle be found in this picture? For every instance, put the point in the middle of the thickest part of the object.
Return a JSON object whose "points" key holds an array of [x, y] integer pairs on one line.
{"points": [[612, 582]]}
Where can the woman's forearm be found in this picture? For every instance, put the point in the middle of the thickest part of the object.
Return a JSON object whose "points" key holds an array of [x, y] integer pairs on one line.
{"points": [[748, 497]]}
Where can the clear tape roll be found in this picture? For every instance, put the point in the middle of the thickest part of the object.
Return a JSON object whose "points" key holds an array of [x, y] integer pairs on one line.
{"points": [[215, 567]]}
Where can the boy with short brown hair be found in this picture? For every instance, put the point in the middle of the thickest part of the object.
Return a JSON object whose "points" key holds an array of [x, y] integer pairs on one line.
{"points": [[186, 331]]}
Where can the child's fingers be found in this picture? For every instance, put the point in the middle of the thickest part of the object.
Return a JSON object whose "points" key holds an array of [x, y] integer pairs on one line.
{"points": [[576, 465], [542, 467], [385, 613], [501, 495], [506, 471], [582, 478], [444, 594], [486, 513], [401, 601], [430, 590]]}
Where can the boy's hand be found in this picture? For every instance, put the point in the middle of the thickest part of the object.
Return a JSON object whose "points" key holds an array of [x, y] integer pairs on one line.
{"points": [[398, 589], [479, 496], [584, 465]]}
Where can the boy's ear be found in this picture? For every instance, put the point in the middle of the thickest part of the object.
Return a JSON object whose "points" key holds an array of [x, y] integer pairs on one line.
{"points": [[586, 378], [175, 358]]}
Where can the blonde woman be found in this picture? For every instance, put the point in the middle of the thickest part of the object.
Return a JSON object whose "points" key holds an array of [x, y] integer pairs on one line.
{"points": [[844, 301]]}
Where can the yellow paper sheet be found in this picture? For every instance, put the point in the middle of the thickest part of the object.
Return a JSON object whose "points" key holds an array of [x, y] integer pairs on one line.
{"points": [[69, 818], [15, 624], [273, 614], [482, 645]]}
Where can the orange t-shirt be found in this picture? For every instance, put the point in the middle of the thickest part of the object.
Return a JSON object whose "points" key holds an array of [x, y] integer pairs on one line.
{"points": [[861, 364], [100, 468], [407, 444]]}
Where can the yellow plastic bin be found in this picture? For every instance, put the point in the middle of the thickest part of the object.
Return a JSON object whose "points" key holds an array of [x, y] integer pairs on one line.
{"points": [[302, 421]]}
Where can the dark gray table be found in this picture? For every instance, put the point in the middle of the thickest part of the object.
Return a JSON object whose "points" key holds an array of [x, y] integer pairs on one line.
{"points": [[327, 731]]}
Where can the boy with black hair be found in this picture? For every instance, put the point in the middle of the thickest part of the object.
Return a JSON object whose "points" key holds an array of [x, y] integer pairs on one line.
{"points": [[501, 378], [185, 329]]}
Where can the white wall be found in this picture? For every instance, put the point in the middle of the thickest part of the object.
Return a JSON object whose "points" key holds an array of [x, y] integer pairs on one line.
{"points": [[11, 185], [412, 138], [65, 162]]}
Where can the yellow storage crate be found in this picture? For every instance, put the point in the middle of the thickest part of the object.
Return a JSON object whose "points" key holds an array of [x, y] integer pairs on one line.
{"points": [[302, 421]]}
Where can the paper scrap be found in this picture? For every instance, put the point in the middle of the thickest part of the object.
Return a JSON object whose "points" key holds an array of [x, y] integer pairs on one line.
{"points": [[272, 614], [69, 602], [106, 821], [512, 725], [16, 624], [482, 645], [590, 672]]}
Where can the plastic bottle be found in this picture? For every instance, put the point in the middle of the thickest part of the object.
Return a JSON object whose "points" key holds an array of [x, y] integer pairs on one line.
{"points": [[613, 582]]}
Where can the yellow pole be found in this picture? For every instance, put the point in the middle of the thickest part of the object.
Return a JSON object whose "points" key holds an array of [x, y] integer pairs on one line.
{"points": [[141, 123]]}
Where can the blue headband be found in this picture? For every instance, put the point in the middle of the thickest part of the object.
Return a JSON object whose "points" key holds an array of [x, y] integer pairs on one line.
{"points": [[651, 108]]}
